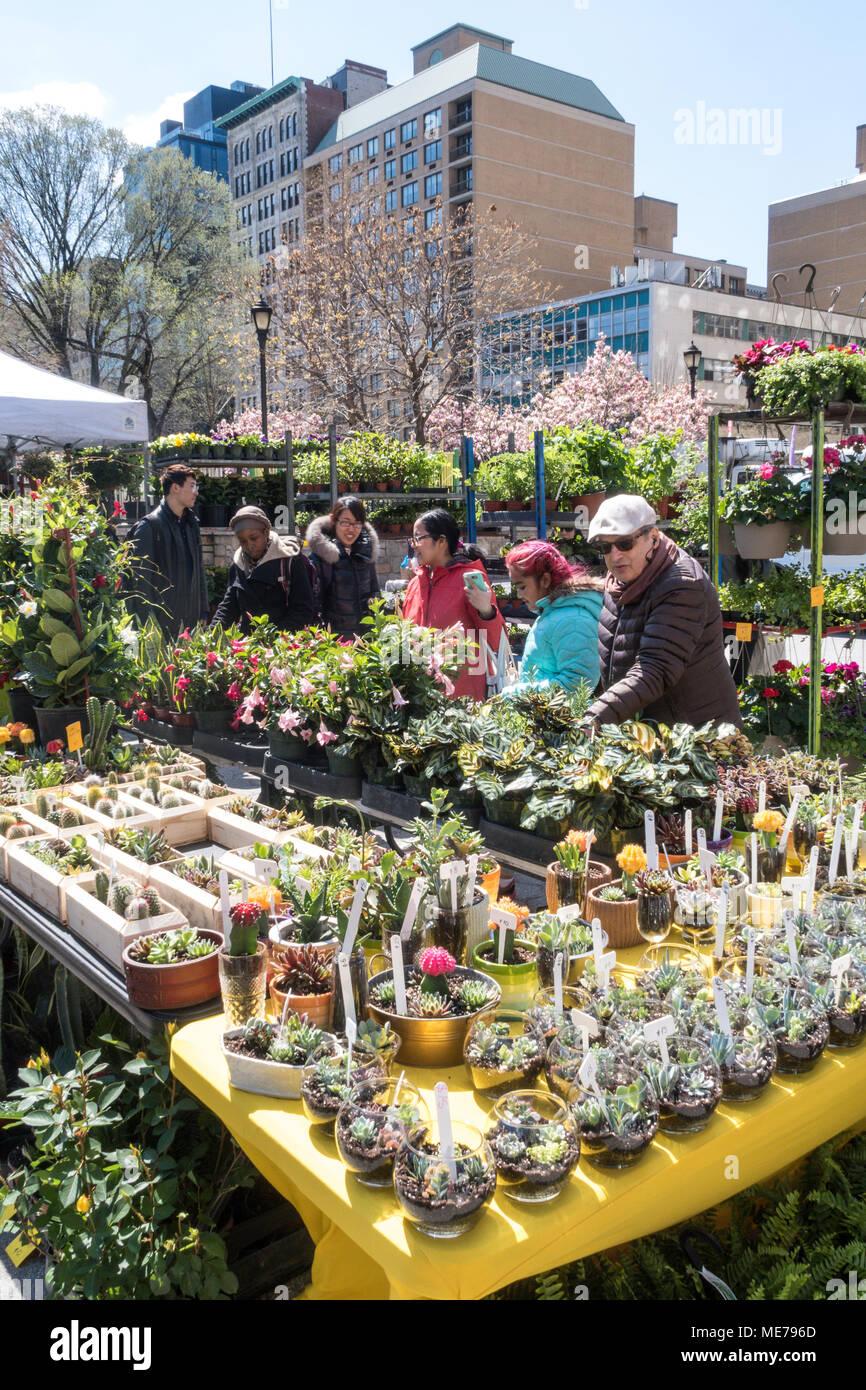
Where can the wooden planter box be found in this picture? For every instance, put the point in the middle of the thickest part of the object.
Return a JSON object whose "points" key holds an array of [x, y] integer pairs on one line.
{"points": [[201, 909], [239, 867], [186, 824], [139, 817], [42, 886], [47, 827], [231, 830], [108, 933], [4, 845]]}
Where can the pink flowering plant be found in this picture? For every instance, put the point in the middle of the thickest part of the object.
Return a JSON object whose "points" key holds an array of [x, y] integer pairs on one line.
{"points": [[779, 705], [769, 495], [303, 686]]}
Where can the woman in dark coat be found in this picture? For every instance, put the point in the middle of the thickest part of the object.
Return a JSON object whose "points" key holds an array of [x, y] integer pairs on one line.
{"points": [[660, 631], [344, 548], [269, 577]]}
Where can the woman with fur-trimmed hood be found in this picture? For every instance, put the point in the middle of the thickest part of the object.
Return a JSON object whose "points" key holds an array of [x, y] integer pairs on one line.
{"points": [[344, 548], [269, 577]]}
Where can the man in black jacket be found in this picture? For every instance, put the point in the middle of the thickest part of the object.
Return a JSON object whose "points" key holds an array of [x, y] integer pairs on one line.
{"points": [[269, 577], [168, 579]]}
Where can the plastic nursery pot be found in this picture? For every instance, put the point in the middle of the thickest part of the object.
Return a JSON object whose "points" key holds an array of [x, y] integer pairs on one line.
{"points": [[328, 1078], [771, 863], [501, 1053], [372, 1123], [490, 883], [52, 723], [213, 721], [654, 915], [544, 1016], [242, 982], [339, 766], [533, 1138], [438, 1202], [281, 745], [687, 1088], [562, 887], [518, 980], [617, 1122], [504, 811]]}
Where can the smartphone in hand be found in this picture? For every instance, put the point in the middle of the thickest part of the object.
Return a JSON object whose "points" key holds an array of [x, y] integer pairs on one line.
{"points": [[474, 579]]}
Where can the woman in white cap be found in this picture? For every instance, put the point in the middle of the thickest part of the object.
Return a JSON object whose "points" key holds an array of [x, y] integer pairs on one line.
{"points": [[660, 630], [269, 577]]}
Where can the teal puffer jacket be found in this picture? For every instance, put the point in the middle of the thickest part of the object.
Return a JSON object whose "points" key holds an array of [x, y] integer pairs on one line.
{"points": [[562, 645]]}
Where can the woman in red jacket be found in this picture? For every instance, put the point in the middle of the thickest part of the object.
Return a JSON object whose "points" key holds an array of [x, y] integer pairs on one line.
{"points": [[442, 594]]}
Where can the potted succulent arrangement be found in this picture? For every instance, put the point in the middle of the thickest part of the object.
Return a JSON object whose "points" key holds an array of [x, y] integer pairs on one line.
{"points": [[767, 904], [572, 874], [437, 1201], [441, 1000], [771, 856], [546, 1016], [654, 907], [329, 1076], [243, 966], [686, 1084], [40, 867], [729, 871], [456, 925], [268, 1058], [106, 913], [373, 1122], [796, 1020], [615, 903], [746, 1055], [501, 1053], [172, 969], [534, 1143], [672, 972], [696, 910], [617, 1120], [845, 1007], [571, 938], [304, 984]]}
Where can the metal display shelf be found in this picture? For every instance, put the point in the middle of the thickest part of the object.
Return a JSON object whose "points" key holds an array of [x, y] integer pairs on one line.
{"points": [[90, 969]]}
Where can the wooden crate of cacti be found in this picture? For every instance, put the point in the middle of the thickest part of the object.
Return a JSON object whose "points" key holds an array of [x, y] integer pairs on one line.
{"points": [[181, 816], [110, 805], [228, 828], [108, 913], [50, 814], [12, 829], [43, 881]]}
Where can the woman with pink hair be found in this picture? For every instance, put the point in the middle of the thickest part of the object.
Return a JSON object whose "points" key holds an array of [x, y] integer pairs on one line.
{"points": [[562, 645]]}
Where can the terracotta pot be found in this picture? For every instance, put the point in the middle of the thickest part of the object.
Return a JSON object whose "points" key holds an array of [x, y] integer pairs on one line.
{"points": [[493, 504], [599, 875], [173, 986], [183, 721], [514, 506], [619, 920], [317, 1007]]}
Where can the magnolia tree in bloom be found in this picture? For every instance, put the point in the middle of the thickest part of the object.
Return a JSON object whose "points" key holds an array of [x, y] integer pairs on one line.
{"points": [[303, 424], [611, 391]]}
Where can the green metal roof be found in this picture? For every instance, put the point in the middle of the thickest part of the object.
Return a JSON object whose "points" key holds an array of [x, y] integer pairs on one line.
{"points": [[542, 81], [259, 103]]}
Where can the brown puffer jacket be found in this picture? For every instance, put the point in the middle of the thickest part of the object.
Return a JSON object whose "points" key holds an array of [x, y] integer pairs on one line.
{"points": [[663, 654]]}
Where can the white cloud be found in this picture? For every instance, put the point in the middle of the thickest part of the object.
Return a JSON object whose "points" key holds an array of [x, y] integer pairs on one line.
{"points": [[144, 129], [78, 98]]}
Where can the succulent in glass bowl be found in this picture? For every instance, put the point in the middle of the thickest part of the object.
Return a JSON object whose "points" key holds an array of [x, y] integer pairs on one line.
{"points": [[372, 1123], [439, 1201], [502, 1053], [618, 1117], [533, 1138]]}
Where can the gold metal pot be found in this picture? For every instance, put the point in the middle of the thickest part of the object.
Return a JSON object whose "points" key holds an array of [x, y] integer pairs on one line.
{"points": [[432, 1042]]}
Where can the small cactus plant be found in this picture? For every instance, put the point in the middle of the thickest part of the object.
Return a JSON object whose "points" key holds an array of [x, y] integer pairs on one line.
{"points": [[122, 893], [100, 719], [101, 886], [169, 800], [136, 909], [67, 817], [91, 780], [152, 785], [94, 795]]}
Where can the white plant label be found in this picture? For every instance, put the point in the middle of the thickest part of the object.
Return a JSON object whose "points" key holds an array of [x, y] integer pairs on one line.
{"points": [[721, 1004], [659, 1030], [398, 975], [264, 869], [837, 847], [652, 850], [852, 839], [398, 1088], [605, 966], [762, 796], [702, 840], [706, 859], [688, 832], [355, 915], [597, 941], [557, 982], [450, 872], [754, 849], [588, 1027], [469, 895], [588, 1073], [500, 918], [351, 1039], [570, 913], [419, 888], [721, 924], [791, 938], [112, 870], [346, 987], [224, 900], [789, 823], [837, 970], [446, 1133], [750, 960], [303, 885], [354, 863], [717, 823], [813, 874]]}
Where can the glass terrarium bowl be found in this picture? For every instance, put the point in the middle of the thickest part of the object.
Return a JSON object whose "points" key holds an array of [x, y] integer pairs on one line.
{"points": [[687, 1088], [535, 1146], [696, 912], [618, 1122], [845, 1009], [502, 1053], [436, 1201], [750, 1060], [668, 967], [373, 1122], [564, 1057], [328, 1077], [544, 1016]]}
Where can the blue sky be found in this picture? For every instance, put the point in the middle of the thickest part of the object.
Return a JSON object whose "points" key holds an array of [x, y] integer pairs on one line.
{"points": [[133, 65]]}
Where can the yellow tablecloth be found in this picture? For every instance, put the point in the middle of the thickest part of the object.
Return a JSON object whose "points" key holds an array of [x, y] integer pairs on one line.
{"points": [[364, 1249]]}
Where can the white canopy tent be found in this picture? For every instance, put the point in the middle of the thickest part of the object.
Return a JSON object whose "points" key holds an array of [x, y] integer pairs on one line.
{"points": [[37, 407]]}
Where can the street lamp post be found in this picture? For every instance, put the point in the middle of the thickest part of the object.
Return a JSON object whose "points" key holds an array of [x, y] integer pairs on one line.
{"points": [[261, 316], [692, 357]]}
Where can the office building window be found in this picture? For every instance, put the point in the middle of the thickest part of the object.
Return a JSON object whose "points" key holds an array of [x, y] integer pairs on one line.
{"points": [[258, 142], [335, 192], [408, 162], [432, 185], [408, 130], [356, 153], [432, 121], [432, 218], [355, 183], [390, 168], [391, 200], [374, 207], [390, 139], [394, 410], [335, 163], [408, 194], [355, 214], [373, 147], [433, 152], [373, 174], [715, 369]]}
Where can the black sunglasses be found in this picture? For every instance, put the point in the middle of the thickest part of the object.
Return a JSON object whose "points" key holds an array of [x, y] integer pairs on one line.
{"points": [[628, 542]]}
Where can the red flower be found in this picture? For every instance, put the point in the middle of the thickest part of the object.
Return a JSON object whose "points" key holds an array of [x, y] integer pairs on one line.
{"points": [[769, 693], [212, 658], [183, 682], [782, 666], [184, 636], [55, 745], [140, 717], [99, 581], [119, 509]]}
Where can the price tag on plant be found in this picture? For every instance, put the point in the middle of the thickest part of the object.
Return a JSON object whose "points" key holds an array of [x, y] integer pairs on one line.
{"points": [[74, 739], [500, 918], [605, 966], [753, 847], [688, 819], [789, 823], [791, 938], [398, 975], [419, 888], [265, 869], [837, 970], [557, 982], [346, 988], [701, 839], [472, 866], [837, 847], [816, 596], [659, 1030], [303, 885], [743, 632], [354, 864], [112, 871], [762, 796], [652, 852], [721, 1004], [588, 1073], [446, 1132], [717, 823], [751, 948], [569, 913], [224, 901], [813, 874], [588, 1026], [721, 924], [450, 872], [355, 915]]}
